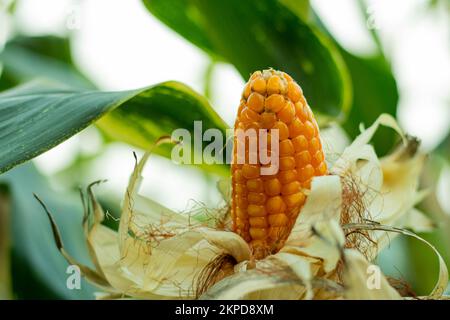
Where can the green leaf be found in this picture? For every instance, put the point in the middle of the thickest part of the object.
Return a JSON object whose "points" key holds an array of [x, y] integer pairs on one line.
{"points": [[27, 58], [444, 147], [185, 18], [38, 116], [39, 270], [374, 92], [422, 261], [5, 243], [301, 8], [255, 35]]}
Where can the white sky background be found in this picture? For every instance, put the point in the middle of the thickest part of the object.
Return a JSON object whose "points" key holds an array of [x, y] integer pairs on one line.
{"points": [[119, 45]]}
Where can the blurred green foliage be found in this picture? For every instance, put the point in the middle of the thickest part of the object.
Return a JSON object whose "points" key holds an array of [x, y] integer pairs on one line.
{"points": [[374, 92], [38, 270], [50, 57]]}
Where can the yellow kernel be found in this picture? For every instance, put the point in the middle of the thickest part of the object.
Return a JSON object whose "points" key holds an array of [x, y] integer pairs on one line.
{"points": [[240, 188], [241, 201], [247, 91], [294, 200], [256, 102], [305, 112], [241, 125], [294, 91], [250, 171], [255, 75], [258, 222], [287, 176], [268, 120], [299, 110], [240, 223], [309, 130], [287, 114], [306, 173], [283, 88], [238, 177], [307, 184], [248, 115], [252, 125], [278, 220], [300, 143], [272, 187], [259, 85], [255, 185], [321, 169], [273, 85], [318, 158], [275, 103], [241, 213], [255, 210], [258, 233], [295, 128], [287, 163], [283, 130], [302, 158], [290, 188], [286, 148], [275, 205], [314, 144], [256, 198]]}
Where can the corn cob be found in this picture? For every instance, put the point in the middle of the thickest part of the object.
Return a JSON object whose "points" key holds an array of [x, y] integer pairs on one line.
{"points": [[265, 207]]}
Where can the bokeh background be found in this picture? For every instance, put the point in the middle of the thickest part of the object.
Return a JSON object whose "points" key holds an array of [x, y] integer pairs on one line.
{"points": [[118, 45]]}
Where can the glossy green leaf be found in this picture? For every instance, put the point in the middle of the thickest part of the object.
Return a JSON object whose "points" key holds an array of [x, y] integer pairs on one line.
{"points": [[255, 35], [37, 117], [27, 58], [39, 271], [374, 92]]}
